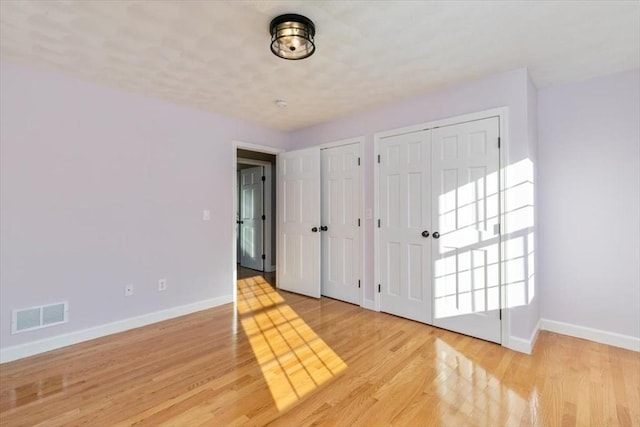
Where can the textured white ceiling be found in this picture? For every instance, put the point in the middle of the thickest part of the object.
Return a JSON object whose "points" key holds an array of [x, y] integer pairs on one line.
{"points": [[215, 55]]}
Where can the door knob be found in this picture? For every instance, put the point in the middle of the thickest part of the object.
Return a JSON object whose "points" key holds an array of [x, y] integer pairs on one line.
{"points": [[324, 228], [314, 229], [240, 222], [436, 235], [425, 233]]}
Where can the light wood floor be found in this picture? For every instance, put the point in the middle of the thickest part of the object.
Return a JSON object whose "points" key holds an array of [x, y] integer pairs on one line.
{"points": [[283, 359]]}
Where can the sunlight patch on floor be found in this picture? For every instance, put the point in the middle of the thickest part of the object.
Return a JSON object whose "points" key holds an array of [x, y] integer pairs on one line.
{"points": [[294, 360]]}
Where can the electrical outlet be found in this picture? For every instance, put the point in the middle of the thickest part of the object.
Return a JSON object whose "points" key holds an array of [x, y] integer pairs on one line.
{"points": [[128, 290], [206, 215], [162, 285]]}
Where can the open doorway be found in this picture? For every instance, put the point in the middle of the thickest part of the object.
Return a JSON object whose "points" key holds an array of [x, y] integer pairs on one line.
{"points": [[255, 215]]}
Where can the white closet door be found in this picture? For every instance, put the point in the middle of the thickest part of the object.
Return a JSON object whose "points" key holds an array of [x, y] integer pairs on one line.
{"points": [[341, 233], [465, 213], [405, 255], [299, 221], [251, 211]]}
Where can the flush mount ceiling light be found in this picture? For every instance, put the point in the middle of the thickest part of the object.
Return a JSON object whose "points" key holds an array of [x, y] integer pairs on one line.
{"points": [[292, 36]]}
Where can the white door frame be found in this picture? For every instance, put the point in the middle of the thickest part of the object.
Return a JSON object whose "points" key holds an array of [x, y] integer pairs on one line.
{"points": [[266, 209], [360, 141], [502, 114], [234, 190]]}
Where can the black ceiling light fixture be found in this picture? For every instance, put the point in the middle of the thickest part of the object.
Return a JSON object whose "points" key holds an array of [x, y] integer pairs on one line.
{"points": [[292, 36]]}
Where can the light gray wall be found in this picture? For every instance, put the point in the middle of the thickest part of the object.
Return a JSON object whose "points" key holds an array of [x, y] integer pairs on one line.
{"points": [[589, 192], [525, 236], [102, 188]]}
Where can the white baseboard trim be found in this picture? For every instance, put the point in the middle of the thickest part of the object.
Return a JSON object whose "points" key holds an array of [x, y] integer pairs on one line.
{"points": [[40, 346], [597, 335], [523, 345]]}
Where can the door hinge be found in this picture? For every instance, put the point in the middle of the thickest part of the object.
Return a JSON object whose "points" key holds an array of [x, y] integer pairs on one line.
{"points": [[264, 217], [379, 288], [358, 161], [500, 311], [358, 283], [498, 142], [264, 178], [378, 158], [378, 223], [264, 256], [358, 222]]}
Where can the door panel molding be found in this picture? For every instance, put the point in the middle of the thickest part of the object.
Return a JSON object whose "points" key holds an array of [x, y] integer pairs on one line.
{"points": [[252, 214], [404, 251], [466, 280], [341, 189], [298, 221], [501, 114]]}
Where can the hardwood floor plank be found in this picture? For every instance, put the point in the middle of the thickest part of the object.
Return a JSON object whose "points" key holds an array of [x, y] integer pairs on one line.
{"points": [[282, 359]]}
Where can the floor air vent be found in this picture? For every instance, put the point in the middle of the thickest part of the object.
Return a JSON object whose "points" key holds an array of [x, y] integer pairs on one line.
{"points": [[32, 318]]}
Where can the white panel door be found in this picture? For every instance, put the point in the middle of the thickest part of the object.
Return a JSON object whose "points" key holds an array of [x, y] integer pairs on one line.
{"points": [[405, 254], [465, 214], [340, 230], [299, 221], [251, 222]]}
